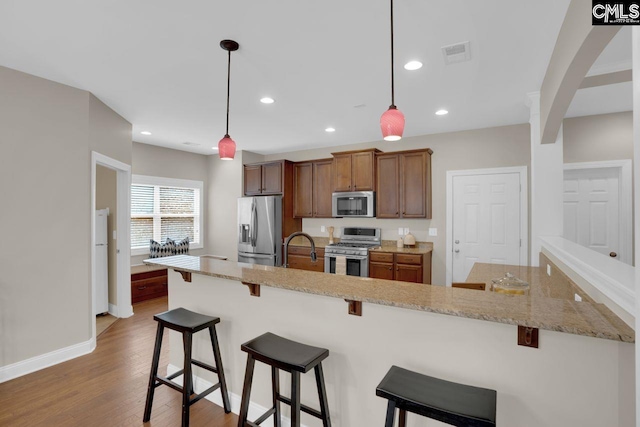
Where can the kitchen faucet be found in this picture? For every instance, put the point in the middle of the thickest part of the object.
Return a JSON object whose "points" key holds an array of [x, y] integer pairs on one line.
{"points": [[285, 264]]}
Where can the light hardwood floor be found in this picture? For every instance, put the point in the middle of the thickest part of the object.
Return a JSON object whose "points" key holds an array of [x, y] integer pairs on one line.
{"points": [[107, 387]]}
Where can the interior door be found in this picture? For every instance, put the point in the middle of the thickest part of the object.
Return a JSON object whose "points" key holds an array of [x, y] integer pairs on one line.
{"points": [[591, 209], [486, 221]]}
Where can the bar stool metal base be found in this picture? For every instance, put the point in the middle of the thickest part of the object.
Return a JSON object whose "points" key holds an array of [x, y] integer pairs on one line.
{"points": [[188, 323]]}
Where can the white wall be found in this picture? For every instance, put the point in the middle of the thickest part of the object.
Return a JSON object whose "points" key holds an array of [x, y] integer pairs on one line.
{"points": [[47, 133]]}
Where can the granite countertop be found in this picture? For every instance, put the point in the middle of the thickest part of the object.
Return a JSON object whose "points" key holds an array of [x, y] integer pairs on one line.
{"points": [[392, 246], [538, 311], [387, 245]]}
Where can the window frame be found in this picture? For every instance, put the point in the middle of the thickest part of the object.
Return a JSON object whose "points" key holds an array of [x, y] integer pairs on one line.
{"points": [[172, 182]]}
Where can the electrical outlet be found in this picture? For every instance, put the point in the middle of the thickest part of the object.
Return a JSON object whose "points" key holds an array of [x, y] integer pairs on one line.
{"points": [[323, 229], [548, 270], [400, 231], [406, 231], [433, 231]]}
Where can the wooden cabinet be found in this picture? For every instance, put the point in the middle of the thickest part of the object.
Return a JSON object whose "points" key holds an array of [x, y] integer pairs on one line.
{"points": [[274, 178], [400, 266], [354, 170], [149, 285], [264, 178], [403, 187], [313, 185], [300, 258]]}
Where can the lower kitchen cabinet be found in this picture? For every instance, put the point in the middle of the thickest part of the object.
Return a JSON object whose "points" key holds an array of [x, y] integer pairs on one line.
{"points": [[403, 267], [300, 258], [149, 285]]}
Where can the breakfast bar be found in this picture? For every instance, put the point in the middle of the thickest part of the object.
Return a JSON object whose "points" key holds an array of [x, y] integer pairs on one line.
{"points": [[460, 335]]}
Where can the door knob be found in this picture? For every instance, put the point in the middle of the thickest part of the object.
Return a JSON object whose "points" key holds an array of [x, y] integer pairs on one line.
{"points": [[457, 241], [457, 250], [613, 254]]}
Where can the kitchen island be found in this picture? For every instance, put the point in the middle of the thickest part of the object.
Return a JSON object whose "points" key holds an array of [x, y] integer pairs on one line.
{"points": [[572, 379]]}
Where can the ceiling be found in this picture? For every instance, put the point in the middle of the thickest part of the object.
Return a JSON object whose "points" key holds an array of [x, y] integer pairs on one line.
{"points": [[158, 63]]}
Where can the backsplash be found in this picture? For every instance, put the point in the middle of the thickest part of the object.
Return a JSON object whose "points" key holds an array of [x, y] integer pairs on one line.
{"points": [[389, 227]]}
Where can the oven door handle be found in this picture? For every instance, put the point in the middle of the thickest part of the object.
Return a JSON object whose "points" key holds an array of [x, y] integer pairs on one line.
{"points": [[347, 256]]}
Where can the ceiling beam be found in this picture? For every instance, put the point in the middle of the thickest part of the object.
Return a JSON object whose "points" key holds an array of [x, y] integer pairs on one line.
{"points": [[606, 79], [579, 45]]}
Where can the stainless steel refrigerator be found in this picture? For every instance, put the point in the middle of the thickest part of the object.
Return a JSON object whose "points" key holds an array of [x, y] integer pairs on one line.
{"points": [[260, 230]]}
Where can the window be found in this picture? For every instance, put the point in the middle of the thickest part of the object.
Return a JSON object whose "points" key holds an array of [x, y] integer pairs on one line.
{"points": [[164, 207]]}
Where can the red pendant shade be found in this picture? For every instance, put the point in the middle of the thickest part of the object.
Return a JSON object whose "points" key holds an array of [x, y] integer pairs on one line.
{"points": [[227, 148], [392, 124], [392, 120]]}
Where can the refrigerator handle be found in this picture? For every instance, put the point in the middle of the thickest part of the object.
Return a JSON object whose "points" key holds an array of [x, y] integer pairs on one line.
{"points": [[254, 223]]}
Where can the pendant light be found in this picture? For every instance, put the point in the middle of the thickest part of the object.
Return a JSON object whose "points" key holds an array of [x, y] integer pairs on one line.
{"points": [[392, 121], [227, 146]]}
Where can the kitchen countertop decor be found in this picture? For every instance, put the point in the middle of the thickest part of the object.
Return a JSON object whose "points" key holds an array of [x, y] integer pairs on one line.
{"points": [[535, 310]]}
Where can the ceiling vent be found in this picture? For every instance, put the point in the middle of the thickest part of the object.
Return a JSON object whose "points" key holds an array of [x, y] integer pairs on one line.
{"points": [[459, 52], [191, 144]]}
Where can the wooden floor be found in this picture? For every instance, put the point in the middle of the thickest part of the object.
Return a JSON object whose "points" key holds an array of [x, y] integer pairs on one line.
{"points": [[107, 387]]}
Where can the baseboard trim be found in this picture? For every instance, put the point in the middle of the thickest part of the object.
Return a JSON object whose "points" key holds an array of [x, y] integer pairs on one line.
{"points": [[255, 410], [24, 367], [113, 310]]}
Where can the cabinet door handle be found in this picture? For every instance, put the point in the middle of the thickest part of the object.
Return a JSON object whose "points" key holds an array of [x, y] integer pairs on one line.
{"points": [[397, 268], [142, 288], [396, 213], [390, 268]]}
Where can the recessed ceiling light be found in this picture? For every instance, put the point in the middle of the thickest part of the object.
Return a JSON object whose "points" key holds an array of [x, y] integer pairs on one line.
{"points": [[441, 112], [267, 100], [145, 132], [413, 65], [214, 148], [329, 130]]}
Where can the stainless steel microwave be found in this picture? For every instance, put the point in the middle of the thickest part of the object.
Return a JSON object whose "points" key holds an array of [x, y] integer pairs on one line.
{"points": [[360, 204]]}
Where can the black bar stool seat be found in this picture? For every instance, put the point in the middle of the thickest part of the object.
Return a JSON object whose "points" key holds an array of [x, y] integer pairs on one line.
{"points": [[452, 403], [188, 323], [290, 356]]}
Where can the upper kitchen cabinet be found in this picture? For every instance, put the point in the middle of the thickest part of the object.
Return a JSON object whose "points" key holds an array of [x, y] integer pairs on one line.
{"points": [[404, 184], [354, 170], [266, 178], [313, 185]]}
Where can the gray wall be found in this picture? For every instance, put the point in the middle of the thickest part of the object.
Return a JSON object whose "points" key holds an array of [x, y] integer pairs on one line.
{"points": [[475, 149], [598, 138], [47, 133], [167, 163]]}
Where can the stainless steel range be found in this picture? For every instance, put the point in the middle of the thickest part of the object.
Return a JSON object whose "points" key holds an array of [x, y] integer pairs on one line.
{"points": [[354, 245]]}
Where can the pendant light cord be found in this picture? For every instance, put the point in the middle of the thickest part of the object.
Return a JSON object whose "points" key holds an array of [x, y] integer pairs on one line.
{"points": [[393, 103], [228, 89]]}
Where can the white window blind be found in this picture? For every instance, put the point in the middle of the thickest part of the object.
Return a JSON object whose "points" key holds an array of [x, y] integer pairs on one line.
{"points": [[162, 208]]}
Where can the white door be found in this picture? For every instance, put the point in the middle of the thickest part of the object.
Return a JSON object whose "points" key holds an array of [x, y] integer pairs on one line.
{"points": [[486, 221], [591, 209]]}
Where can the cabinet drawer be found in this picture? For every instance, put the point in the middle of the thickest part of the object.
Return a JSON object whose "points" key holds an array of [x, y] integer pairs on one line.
{"points": [[381, 256], [409, 259], [142, 290], [148, 274]]}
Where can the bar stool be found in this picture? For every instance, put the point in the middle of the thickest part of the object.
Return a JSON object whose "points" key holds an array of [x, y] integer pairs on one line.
{"points": [[290, 356], [451, 403], [187, 322]]}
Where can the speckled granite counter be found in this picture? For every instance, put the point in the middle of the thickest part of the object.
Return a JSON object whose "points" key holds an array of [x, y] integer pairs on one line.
{"points": [[391, 246], [560, 315]]}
